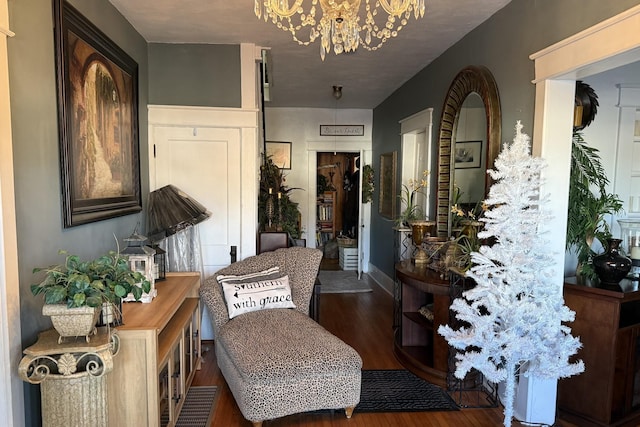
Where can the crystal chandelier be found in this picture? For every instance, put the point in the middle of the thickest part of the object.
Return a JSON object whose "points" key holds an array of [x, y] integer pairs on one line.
{"points": [[340, 23]]}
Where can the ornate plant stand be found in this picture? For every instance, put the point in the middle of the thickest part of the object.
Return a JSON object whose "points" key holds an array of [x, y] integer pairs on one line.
{"points": [[403, 247], [71, 377], [474, 391]]}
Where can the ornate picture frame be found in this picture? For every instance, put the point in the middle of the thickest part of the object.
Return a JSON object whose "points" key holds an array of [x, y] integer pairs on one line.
{"points": [[387, 200], [97, 85]]}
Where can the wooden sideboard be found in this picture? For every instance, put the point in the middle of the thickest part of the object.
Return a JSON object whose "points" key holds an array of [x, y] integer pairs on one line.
{"points": [[607, 321], [417, 344], [159, 353]]}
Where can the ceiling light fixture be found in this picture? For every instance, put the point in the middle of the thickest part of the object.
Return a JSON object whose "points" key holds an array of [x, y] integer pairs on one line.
{"points": [[337, 94], [339, 24]]}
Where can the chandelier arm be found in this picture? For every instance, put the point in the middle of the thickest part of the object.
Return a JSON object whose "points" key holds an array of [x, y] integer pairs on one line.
{"points": [[396, 7], [339, 27], [281, 8]]}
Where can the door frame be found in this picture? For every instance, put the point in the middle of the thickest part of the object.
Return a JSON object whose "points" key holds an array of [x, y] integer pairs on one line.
{"points": [[410, 127], [364, 235], [609, 44], [11, 386], [246, 121]]}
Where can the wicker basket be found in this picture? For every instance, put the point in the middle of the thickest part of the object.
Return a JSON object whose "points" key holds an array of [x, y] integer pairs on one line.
{"points": [[346, 242], [72, 322]]}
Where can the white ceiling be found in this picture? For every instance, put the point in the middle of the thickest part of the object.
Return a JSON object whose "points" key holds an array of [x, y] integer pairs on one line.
{"points": [[298, 76]]}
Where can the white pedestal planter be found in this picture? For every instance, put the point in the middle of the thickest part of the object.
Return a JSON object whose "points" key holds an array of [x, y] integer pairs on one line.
{"points": [[535, 400]]}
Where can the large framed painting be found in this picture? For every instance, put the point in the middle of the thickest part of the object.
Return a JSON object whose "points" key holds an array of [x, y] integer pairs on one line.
{"points": [[98, 121], [387, 202]]}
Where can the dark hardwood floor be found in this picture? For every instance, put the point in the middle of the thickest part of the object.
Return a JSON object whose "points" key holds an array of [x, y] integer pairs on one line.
{"points": [[363, 320]]}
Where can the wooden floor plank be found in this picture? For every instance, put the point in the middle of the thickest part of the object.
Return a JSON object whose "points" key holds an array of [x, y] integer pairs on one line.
{"points": [[364, 321]]}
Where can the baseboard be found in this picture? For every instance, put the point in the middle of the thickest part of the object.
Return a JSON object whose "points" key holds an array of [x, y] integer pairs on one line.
{"points": [[385, 282]]}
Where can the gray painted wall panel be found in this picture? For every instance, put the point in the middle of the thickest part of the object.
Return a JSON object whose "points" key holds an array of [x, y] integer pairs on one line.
{"points": [[503, 44], [194, 74], [36, 160]]}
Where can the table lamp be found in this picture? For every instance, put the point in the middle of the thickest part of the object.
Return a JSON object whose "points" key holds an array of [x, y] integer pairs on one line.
{"points": [[171, 211]]}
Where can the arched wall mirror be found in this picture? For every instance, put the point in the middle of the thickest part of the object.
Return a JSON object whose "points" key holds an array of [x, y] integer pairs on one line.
{"points": [[469, 141]]}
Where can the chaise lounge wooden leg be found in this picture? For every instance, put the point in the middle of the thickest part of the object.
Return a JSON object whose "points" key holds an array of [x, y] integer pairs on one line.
{"points": [[257, 423], [349, 411]]}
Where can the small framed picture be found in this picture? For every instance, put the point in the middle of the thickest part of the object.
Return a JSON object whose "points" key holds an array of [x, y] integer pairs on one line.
{"points": [[468, 154], [280, 153]]}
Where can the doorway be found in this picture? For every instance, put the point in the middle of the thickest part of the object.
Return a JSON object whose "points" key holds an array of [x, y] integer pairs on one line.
{"points": [[337, 208]]}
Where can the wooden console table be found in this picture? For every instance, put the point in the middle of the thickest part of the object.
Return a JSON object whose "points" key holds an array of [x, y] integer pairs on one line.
{"points": [[159, 353], [417, 344], [607, 321]]}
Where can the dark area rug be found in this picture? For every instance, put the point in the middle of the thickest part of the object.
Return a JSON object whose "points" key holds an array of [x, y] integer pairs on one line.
{"points": [[401, 391], [342, 282], [197, 408]]}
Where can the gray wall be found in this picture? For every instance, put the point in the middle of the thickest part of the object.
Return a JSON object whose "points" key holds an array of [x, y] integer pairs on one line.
{"points": [[503, 44], [194, 74], [36, 160]]}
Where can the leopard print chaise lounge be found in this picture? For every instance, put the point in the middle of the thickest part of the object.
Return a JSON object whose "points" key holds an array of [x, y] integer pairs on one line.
{"points": [[279, 362]]}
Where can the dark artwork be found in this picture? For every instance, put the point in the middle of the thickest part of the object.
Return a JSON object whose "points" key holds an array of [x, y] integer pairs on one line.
{"points": [[98, 122]]}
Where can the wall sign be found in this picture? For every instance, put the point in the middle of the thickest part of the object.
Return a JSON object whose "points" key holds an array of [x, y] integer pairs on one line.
{"points": [[341, 130]]}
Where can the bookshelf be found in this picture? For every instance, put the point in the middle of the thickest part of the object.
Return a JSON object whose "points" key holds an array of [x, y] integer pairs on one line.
{"points": [[325, 218]]}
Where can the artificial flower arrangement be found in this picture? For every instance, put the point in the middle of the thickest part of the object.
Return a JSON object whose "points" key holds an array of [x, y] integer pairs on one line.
{"points": [[461, 217], [407, 197], [465, 225]]}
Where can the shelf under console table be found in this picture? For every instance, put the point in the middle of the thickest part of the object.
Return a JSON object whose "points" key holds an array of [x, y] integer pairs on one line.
{"points": [[417, 344], [159, 354]]}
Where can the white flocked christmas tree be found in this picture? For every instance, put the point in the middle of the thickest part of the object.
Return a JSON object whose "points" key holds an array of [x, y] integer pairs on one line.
{"points": [[513, 318]]}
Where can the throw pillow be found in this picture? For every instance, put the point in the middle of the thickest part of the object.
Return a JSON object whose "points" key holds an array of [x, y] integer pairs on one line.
{"points": [[256, 291]]}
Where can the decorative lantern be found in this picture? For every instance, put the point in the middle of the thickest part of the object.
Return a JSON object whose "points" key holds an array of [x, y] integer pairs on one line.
{"points": [[159, 263], [141, 259]]}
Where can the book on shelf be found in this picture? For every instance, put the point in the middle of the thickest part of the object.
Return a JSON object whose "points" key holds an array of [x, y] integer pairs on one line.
{"points": [[325, 213], [327, 197]]}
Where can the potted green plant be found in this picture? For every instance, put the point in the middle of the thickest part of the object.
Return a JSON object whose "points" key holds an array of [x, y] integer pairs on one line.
{"points": [[74, 292], [276, 210], [589, 202]]}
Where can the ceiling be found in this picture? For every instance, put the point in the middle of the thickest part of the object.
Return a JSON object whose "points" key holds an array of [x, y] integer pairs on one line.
{"points": [[299, 78]]}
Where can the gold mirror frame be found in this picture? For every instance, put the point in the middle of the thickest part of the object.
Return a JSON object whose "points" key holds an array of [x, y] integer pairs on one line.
{"points": [[476, 79]]}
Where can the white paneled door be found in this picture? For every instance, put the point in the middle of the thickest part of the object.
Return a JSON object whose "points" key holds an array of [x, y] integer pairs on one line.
{"points": [[205, 163], [212, 155]]}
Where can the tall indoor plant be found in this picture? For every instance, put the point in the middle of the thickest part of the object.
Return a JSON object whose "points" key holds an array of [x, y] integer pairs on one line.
{"points": [[589, 201], [276, 210]]}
